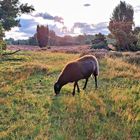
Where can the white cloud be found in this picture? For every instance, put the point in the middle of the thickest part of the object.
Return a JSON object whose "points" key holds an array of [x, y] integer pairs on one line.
{"points": [[16, 34]]}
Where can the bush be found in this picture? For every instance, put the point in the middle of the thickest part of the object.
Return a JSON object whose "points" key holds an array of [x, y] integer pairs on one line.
{"points": [[133, 59], [3, 45], [138, 43], [100, 45], [99, 42], [115, 54], [133, 47]]}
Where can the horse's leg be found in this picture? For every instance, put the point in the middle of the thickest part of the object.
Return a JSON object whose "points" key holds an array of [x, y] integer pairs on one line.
{"points": [[96, 83], [73, 93], [78, 89], [85, 84]]}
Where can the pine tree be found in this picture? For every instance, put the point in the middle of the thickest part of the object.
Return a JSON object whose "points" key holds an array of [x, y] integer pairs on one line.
{"points": [[10, 10]]}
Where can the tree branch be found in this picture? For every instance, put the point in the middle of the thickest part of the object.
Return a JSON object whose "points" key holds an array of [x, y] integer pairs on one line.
{"points": [[11, 53]]}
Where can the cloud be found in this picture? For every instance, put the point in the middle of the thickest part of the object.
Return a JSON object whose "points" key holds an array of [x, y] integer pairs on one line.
{"points": [[90, 28], [137, 9], [58, 19], [27, 29], [16, 34], [29, 23], [100, 26], [87, 4], [45, 16], [80, 25], [50, 17]]}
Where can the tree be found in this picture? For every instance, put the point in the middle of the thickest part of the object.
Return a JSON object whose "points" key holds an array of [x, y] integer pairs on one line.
{"points": [[52, 38], [42, 35], [121, 25], [80, 39], [122, 31], [33, 40], [123, 12], [10, 10]]}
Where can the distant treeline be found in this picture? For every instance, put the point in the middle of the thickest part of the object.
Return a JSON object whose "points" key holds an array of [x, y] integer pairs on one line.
{"points": [[54, 40]]}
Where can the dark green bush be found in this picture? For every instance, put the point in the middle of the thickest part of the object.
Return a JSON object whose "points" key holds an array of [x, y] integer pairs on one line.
{"points": [[100, 45], [99, 42], [133, 47]]}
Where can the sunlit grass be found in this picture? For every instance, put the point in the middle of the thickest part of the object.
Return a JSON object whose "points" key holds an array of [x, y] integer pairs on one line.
{"points": [[29, 109]]}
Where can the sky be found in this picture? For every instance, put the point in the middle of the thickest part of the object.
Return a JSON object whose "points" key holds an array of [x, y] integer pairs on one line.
{"points": [[70, 17]]}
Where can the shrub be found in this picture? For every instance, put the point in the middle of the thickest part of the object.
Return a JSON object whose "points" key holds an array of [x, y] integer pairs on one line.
{"points": [[99, 42], [138, 43], [133, 59], [115, 54], [133, 47], [100, 45], [2, 46]]}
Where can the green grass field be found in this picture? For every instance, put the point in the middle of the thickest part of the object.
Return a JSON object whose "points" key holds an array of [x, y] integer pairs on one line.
{"points": [[29, 110]]}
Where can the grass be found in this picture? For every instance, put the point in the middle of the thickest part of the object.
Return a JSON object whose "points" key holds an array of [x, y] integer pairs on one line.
{"points": [[29, 110]]}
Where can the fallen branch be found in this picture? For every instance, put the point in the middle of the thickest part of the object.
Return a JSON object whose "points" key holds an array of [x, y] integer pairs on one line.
{"points": [[11, 53]]}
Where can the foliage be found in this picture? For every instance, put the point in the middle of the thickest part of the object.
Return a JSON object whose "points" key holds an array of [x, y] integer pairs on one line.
{"points": [[3, 46], [1, 31], [30, 41], [124, 26], [99, 42], [122, 31], [136, 30], [29, 109], [42, 35], [120, 26], [33, 40], [52, 38], [138, 43], [123, 12], [2, 43], [81, 39], [10, 41], [10, 10]]}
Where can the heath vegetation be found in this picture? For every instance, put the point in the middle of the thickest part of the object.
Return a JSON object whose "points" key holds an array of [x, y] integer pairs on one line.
{"points": [[29, 110]]}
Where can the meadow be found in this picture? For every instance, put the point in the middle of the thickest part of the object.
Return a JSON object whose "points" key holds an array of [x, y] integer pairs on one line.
{"points": [[30, 111]]}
